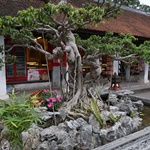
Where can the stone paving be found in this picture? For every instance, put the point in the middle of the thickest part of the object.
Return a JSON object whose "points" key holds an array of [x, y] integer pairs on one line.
{"points": [[145, 94], [136, 86], [140, 89]]}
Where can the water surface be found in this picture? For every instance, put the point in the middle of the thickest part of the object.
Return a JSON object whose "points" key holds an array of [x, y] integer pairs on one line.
{"points": [[146, 116]]}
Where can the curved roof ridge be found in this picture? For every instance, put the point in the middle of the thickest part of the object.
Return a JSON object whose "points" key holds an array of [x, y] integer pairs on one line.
{"points": [[135, 10]]}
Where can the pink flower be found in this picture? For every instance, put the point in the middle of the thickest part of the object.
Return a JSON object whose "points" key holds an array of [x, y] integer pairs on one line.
{"points": [[59, 98], [48, 99], [49, 104], [53, 99], [41, 101], [55, 91], [45, 91]]}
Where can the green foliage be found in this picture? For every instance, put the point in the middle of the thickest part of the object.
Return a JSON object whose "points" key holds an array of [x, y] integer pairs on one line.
{"points": [[1, 59], [132, 114], [1, 49], [113, 119], [132, 3], [98, 89], [94, 109], [18, 116], [6, 58], [145, 8], [136, 5], [51, 15], [109, 44], [50, 18], [144, 51], [10, 58], [55, 20]]}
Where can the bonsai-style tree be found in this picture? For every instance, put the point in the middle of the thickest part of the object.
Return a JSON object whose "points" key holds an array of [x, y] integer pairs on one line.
{"points": [[56, 22]]}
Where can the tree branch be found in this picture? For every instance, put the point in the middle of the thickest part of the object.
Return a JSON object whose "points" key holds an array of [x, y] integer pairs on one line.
{"points": [[124, 58], [15, 45]]}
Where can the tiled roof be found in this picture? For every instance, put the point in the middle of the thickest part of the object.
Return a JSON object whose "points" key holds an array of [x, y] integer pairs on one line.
{"points": [[11, 7], [77, 3], [129, 21], [135, 23]]}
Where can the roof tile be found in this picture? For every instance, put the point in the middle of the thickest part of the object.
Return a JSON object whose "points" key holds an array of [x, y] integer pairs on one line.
{"points": [[134, 23]]}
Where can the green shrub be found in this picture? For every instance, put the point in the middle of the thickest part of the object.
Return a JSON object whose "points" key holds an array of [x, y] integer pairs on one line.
{"points": [[114, 119], [17, 116], [94, 109]]}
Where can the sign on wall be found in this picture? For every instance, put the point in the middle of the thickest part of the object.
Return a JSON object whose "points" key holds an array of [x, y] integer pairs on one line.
{"points": [[37, 74]]}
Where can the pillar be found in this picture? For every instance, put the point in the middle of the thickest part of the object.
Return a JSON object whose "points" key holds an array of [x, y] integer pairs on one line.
{"points": [[3, 91], [115, 67], [143, 77], [146, 69]]}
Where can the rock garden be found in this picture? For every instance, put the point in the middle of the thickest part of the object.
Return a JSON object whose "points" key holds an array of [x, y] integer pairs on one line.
{"points": [[106, 121]]}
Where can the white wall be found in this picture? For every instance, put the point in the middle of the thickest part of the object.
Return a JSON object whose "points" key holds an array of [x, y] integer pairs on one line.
{"points": [[115, 67], [3, 93]]}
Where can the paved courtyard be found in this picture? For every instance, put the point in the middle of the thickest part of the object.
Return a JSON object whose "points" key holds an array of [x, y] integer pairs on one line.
{"points": [[145, 94], [140, 89]]}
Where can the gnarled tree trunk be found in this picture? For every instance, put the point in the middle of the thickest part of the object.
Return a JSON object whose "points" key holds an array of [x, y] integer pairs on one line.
{"points": [[79, 85]]}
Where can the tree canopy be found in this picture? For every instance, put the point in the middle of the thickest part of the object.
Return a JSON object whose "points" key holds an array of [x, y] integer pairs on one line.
{"points": [[54, 21]]}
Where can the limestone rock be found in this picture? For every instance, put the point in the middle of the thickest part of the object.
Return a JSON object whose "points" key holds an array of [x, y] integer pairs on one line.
{"points": [[5, 145], [30, 139]]}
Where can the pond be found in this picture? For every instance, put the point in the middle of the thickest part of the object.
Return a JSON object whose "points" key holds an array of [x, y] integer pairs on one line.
{"points": [[146, 116]]}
